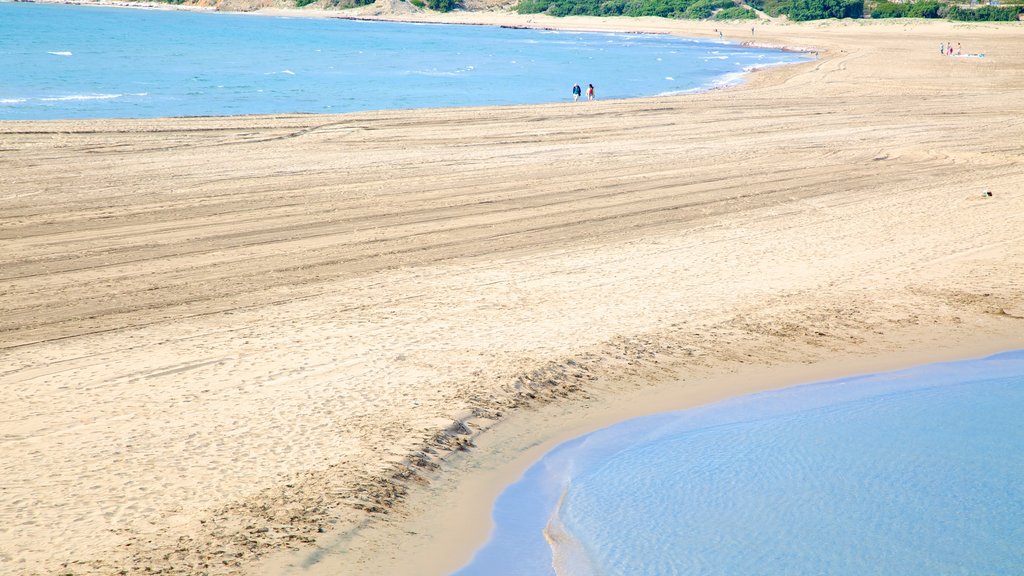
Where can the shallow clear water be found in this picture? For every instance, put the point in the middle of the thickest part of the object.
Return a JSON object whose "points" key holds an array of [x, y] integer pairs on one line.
{"points": [[61, 61], [912, 472]]}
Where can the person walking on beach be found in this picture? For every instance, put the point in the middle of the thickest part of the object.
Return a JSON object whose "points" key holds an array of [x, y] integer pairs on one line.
{"points": [[942, 48], [590, 92], [576, 92]]}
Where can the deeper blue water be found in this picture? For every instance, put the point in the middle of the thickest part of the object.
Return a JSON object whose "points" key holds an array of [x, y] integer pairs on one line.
{"points": [[60, 61], [913, 472]]}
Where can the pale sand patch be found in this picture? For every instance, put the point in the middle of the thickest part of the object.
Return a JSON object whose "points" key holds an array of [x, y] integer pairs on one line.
{"points": [[221, 334]]}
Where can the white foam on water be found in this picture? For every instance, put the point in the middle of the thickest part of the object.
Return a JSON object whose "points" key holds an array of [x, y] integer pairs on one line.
{"points": [[12, 100], [82, 97], [756, 67], [728, 79], [569, 555], [61, 53]]}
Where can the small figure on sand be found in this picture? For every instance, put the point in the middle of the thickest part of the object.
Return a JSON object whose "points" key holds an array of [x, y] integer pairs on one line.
{"points": [[576, 92], [720, 35], [957, 48], [590, 92], [942, 48], [751, 30]]}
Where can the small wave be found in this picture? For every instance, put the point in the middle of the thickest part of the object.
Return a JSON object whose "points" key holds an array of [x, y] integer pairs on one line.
{"points": [[12, 100], [60, 53], [756, 67], [432, 73], [679, 92], [568, 554], [82, 97], [729, 79], [669, 78], [288, 72], [715, 58], [441, 73]]}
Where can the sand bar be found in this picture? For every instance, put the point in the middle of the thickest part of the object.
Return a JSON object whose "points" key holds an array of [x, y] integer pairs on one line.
{"points": [[222, 335]]}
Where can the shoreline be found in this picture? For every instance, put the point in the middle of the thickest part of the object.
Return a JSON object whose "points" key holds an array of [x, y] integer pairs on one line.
{"points": [[451, 518], [724, 81], [622, 435], [546, 325]]}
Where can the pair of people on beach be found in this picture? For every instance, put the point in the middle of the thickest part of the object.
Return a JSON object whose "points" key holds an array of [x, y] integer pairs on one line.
{"points": [[576, 91], [947, 49]]}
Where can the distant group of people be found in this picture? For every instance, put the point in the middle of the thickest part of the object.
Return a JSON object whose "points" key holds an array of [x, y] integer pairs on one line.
{"points": [[946, 48], [577, 92]]}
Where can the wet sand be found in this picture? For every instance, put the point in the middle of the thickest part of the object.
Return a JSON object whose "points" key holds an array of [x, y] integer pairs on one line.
{"points": [[227, 339]]}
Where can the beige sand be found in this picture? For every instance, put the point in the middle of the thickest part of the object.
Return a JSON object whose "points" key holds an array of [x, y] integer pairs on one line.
{"points": [[220, 336]]}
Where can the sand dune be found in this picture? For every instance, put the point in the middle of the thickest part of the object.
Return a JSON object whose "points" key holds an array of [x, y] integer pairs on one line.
{"points": [[220, 335]]}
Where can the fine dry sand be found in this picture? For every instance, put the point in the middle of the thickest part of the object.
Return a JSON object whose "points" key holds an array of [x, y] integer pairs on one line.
{"points": [[223, 340]]}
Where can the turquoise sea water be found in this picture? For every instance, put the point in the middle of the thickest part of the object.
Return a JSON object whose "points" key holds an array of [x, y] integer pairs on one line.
{"points": [[913, 472], [60, 61]]}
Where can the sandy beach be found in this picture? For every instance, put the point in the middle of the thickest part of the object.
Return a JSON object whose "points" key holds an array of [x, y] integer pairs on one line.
{"points": [[305, 344]]}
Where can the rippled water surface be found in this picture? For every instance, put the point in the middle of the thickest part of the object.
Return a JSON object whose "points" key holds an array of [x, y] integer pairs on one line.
{"points": [[913, 472], [61, 61]]}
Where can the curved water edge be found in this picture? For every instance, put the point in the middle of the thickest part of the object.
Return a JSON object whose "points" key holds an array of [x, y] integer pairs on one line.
{"points": [[914, 471], [65, 62]]}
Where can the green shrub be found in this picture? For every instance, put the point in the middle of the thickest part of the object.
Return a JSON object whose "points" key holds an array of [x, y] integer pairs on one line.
{"points": [[985, 14], [927, 9], [727, 10], [442, 5], [795, 9], [735, 13], [703, 9], [663, 8], [532, 6], [815, 9], [301, 3], [418, 3], [889, 10]]}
